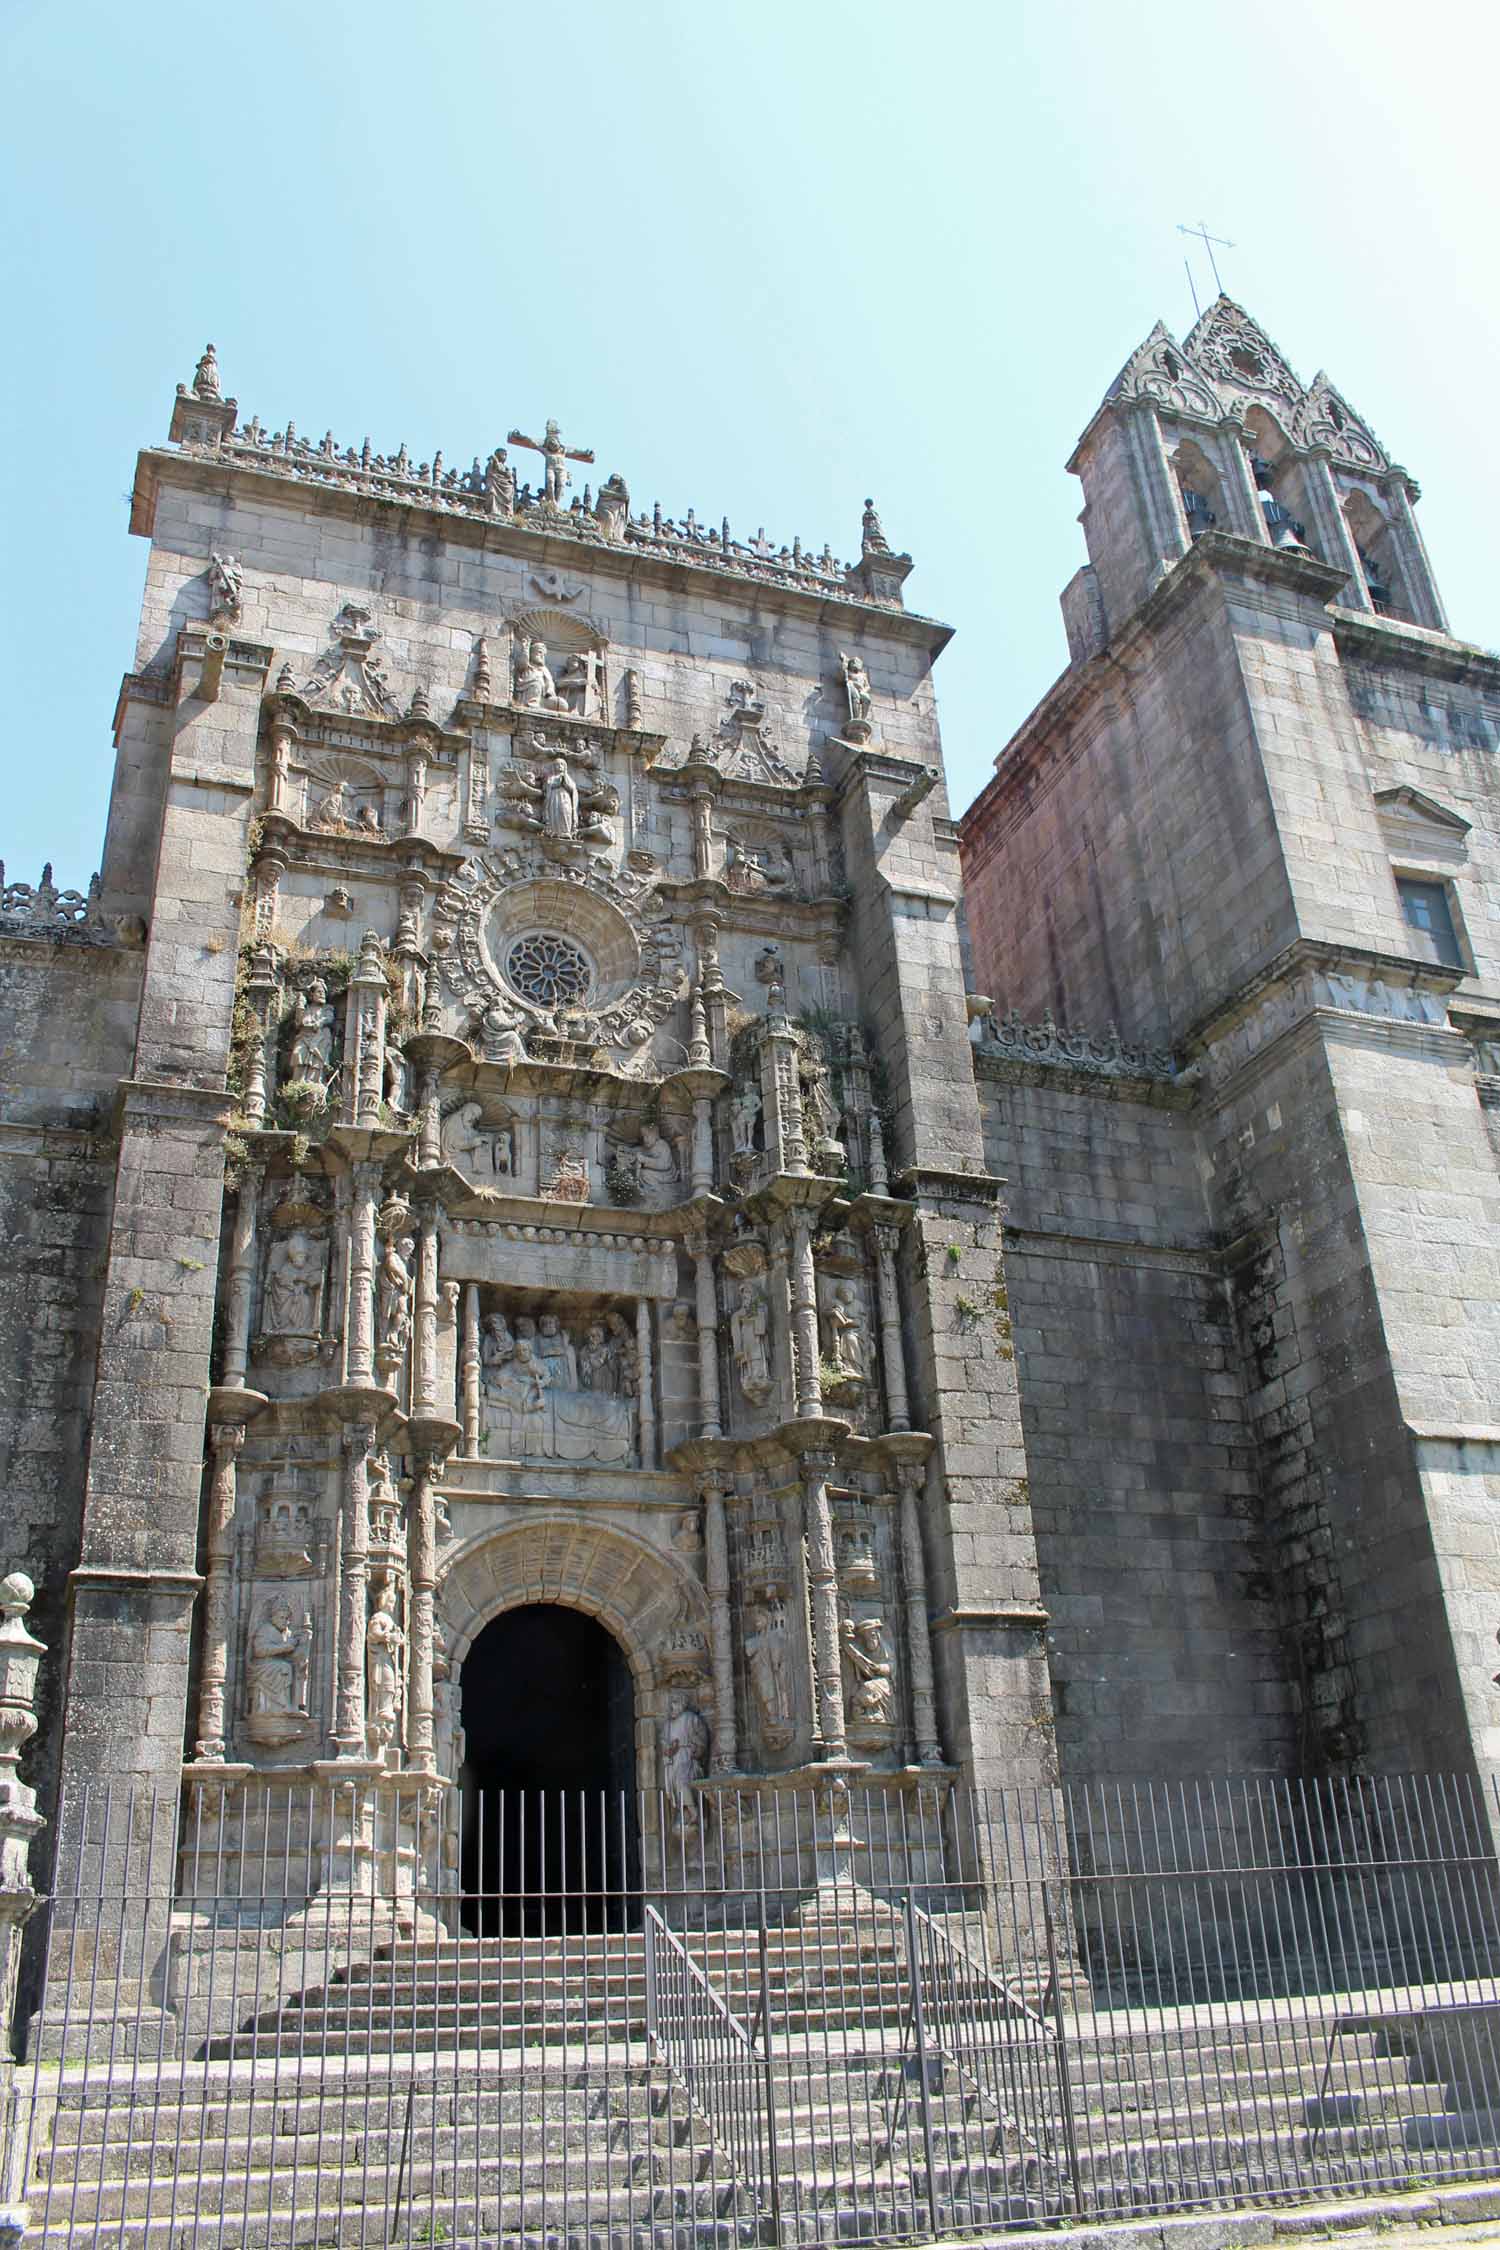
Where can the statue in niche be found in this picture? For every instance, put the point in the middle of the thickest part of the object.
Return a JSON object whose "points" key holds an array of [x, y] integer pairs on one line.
{"points": [[310, 1053], [294, 1286], [684, 1761], [856, 689], [277, 1669], [818, 1106], [750, 1335], [500, 1035], [766, 1653], [383, 1503], [654, 1164], [569, 1182], [394, 1074], [535, 688], [393, 1298], [750, 869], [565, 812], [744, 1116], [576, 683], [476, 1148], [844, 1334], [872, 1695], [385, 1647]]}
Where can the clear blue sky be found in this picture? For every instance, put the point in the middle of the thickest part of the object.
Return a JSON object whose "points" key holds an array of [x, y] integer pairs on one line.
{"points": [[764, 258]]}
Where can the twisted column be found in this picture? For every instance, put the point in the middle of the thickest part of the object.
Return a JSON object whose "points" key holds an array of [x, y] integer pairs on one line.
{"points": [[424, 1386], [471, 1369], [360, 1344], [421, 1562], [804, 1295]]}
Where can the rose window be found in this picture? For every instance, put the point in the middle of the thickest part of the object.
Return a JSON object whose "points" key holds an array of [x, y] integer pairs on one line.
{"points": [[548, 970]]}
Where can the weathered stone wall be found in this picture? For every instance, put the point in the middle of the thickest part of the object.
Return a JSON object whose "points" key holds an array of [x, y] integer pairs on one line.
{"points": [[1144, 1477], [67, 1027]]}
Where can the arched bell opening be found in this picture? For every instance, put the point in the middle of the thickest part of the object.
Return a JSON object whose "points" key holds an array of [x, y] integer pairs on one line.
{"points": [[550, 1838]]}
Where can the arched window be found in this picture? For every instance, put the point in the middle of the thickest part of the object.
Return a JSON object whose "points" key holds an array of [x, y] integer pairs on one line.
{"points": [[1277, 481], [1374, 539], [1202, 502]]}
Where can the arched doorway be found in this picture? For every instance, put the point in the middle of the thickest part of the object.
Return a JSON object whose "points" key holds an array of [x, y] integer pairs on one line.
{"points": [[550, 1836]]}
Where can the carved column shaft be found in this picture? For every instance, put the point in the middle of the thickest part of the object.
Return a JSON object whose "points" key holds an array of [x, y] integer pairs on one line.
{"points": [[239, 1295], [260, 991], [225, 1441], [880, 1183], [425, 1398], [354, 1573], [918, 1632], [1330, 526], [703, 1145], [703, 834], [421, 1562], [429, 1119], [893, 1358], [1421, 585], [416, 790], [716, 1572], [472, 1370], [361, 1317], [781, 1101], [823, 1600], [708, 1341], [647, 1378], [804, 1295]]}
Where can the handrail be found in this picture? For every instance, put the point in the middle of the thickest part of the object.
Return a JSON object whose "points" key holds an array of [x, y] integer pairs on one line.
{"points": [[1007, 1992], [659, 1932]]}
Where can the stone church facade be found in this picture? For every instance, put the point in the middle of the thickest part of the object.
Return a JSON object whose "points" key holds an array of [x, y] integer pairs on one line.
{"points": [[510, 1130]]}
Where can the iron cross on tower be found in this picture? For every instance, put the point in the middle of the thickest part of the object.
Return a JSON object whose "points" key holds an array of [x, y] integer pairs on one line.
{"points": [[1200, 233], [555, 456]]}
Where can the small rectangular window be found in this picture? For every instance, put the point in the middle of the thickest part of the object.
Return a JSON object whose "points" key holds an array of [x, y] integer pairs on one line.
{"points": [[1426, 908]]}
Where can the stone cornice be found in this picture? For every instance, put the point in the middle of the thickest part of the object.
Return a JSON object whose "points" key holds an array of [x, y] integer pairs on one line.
{"points": [[1315, 954], [1398, 646], [675, 565]]}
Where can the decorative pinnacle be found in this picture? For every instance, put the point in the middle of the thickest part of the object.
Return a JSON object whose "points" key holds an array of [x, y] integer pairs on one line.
{"points": [[206, 375], [873, 540]]}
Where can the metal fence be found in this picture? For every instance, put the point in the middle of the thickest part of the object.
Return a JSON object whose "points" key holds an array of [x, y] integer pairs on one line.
{"points": [[314, 2016]]}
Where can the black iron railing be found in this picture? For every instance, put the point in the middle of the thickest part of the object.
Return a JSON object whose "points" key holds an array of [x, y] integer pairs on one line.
{"points": [[304, 2014]]}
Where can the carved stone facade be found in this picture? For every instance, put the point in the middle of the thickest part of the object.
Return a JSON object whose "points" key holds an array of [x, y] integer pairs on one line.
{"points": [[561, 1130], [507, 1129]]}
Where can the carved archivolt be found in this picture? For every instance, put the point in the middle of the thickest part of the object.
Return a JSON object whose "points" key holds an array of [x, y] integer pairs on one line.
{"points": [[646, 1598], [507, 910]]}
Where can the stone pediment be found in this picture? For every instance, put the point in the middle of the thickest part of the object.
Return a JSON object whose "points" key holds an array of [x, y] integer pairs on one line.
{"points": [[1236, 354], [1423, 827], [1159, 370], [1327, 418]]}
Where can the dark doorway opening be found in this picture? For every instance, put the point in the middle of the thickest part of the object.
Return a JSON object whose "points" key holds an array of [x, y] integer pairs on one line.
{"points": [[550, 1834]]}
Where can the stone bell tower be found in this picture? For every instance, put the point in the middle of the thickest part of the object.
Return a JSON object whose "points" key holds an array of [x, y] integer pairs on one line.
{"points": [[550, 1170], [1233, 890]]}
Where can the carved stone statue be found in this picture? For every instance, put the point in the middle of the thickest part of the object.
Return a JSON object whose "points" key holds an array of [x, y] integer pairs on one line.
{"points": [[752, 871], [538, 1405], [767, 1655], [555, 459], [475, 1148], [873, 540], [499, 483], [612, 507], [845, 1334], [856, 688], [557, 1350], [684, 1754], [393, 1298], [627, 1359], [750, 1333], [385, 1646], [656, 1168], [872, 1694], [294, 1286], [598, 1365], [575, 683], [225, 585], [278, 1658], [744, 1115], [535, 688], [206, 374], [310, 1053]]}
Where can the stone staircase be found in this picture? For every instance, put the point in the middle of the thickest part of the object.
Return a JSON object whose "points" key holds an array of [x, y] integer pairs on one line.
{"points": [[502, 2092]]}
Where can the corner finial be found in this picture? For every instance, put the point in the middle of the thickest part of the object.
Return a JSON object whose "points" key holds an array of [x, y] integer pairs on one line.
{"points": [[206, 375], [873, 540]]}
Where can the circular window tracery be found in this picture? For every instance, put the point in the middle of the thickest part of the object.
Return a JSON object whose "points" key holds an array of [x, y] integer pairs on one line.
{"points": [[548, 970]]}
